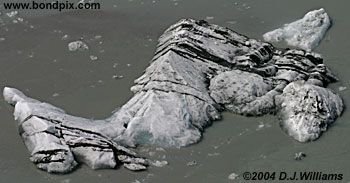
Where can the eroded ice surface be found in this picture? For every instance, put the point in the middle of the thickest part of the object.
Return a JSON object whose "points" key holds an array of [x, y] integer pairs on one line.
{"points": [[57, 141], [198, 70], [305, 33], [307, 110]]}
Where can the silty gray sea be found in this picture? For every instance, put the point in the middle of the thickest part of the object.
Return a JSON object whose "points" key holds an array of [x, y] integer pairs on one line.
{"points": [[123, 36]]}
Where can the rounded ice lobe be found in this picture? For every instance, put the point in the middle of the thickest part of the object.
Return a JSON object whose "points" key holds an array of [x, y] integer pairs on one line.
{"points": [[307, 110]]}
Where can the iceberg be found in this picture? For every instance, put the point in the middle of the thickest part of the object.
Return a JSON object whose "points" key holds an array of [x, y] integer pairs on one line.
{"points": [[305, 33], [198, 70]]}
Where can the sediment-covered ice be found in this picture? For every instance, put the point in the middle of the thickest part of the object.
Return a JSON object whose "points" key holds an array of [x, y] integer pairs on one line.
{"points": [[198, 70], [305, 33], [307, 110]]}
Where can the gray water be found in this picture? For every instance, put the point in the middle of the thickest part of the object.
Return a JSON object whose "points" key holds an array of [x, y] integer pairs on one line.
{"points": [[35, 59]]}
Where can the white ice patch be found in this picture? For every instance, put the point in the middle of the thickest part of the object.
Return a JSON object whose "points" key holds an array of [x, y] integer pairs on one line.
{"points": [[232, 176], [159, 163], [305, 33], [12, 14], [77, 46]]}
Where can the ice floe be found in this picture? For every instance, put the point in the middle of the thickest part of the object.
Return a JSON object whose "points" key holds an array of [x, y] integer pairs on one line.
{"points": [[305, 33]]}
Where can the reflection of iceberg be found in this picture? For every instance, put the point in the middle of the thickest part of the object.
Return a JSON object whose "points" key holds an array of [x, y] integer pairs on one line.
{"points": [[305, 33], [198, 70]]}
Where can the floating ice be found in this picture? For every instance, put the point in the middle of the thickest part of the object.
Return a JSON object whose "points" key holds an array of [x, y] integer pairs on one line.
{"points": [[117, 76], [65, 37], [93, 57], [192, 163], [77, 46], [342, 88], [98, 37], [299, 156], [12, 14], [198, 70], [159, 163], [232, 176], [305, 33]]}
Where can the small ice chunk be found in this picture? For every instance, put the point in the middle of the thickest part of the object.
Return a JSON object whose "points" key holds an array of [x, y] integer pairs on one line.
{"points": [[93, 57], [12, 14], [98, 37], [159, 163], [232, 176], [31, 55], [299, 156], [305, 33], [342, 88], [65, 37], [192, 163], [260, 126], [57, 31], [77, 46], [214, 154], [117, 76]]}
